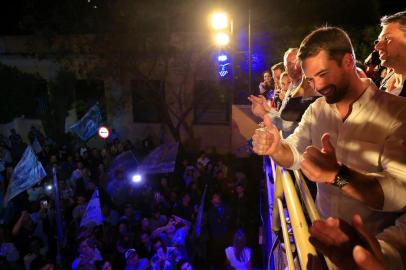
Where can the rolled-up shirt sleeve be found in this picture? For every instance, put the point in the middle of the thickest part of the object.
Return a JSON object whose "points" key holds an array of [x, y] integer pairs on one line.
{"points": [[301, 138], [393, 162]]}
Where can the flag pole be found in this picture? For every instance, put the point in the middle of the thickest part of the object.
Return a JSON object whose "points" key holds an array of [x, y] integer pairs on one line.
{"points": [[58, 217]]}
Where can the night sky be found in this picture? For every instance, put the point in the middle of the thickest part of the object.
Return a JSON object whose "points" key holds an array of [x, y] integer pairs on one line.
{"points": [[12, 12]]}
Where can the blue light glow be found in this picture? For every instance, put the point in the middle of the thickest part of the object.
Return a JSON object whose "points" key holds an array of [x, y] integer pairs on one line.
{"points": [[137, 178], [223, 62], [222, 58]]}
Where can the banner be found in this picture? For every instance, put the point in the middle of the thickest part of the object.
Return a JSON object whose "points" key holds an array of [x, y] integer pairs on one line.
{"points": [[125, 162], [160, 160], [88, 125], [93, 214], [198, 225], [27, 173], [36, 146]]}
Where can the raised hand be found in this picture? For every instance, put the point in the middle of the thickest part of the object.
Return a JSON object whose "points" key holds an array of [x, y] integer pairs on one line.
{"points": [[370, 256], [259, 106], [365, 260], [335, 239], [266, 139], [320, 165], [348, 247]]}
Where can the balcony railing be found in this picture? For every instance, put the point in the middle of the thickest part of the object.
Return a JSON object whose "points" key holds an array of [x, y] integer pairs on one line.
{"points": [[290, 208]]}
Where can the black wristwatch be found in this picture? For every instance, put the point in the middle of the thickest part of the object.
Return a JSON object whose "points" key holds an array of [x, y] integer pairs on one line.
{"points": [[342, 178]]}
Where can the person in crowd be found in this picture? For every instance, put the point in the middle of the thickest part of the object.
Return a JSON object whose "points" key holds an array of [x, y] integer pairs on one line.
{"points": [[5, 154], [157, 220], [126, 237], [80, 207], [88, 256], [124, 227], [239, 255], [242, 207], [165, 258], [266, 87], [184, 265], [188, 176], [14, 138], [103, 265], [353, 246], [22, 230], [222, 168], [145, 225], [160, 201], [17, 145], [7, 248], [36, 134], [146, 246], [174, 234], [391, 46], [277, 70], [290, 111], [164, 187], [130, 215], [280, 95], [78, 173], [118, 189], [203, 160], [134, 262], [34, 255], [220, 220], [354, 172], [185, 208]]}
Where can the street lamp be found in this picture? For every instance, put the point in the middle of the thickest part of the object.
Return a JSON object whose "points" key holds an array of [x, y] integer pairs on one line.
{"points": [[219, 20], [222, 39], [222, 27]]}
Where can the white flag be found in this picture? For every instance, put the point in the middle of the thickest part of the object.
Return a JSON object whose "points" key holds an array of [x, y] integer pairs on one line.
{"points": [[93, 214]]}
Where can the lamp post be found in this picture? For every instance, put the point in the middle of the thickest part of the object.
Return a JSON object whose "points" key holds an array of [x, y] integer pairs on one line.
{"points": [[222, 28], [249, 53], [221, 25]]}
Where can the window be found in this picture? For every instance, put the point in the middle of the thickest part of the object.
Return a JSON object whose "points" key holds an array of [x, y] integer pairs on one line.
{"points": [[211, 103], [146, 97]]}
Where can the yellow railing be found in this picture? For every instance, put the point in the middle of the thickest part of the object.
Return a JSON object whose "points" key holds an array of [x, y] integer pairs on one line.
{"points": [[284, 188]]}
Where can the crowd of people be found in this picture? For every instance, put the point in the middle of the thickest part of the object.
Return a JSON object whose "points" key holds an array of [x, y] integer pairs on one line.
{"points": [[346, 132], [161, 223]]}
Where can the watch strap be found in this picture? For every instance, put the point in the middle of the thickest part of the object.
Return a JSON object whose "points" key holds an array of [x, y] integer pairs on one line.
{"points": [[342, 178]]}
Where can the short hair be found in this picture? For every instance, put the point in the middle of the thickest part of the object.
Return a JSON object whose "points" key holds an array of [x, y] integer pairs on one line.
{"points": [[288, 51], [283, 74], [399, 17], [278, 66], [333, 40]]}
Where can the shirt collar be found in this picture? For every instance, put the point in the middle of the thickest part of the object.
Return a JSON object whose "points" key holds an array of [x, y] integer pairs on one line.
{"points": [[367, 96]]}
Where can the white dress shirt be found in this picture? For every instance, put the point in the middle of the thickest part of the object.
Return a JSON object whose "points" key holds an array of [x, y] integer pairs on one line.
{"points": [[370, 140]]}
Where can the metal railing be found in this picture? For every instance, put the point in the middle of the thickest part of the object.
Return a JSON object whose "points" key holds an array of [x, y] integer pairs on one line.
{"points": [[281, 189]]}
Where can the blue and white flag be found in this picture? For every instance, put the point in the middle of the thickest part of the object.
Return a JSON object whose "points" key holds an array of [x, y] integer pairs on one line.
{"points": [[199, 218], [88, 125], [125, 162], [27, 173], [93, 214], [36, 146], [161, 160]]}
